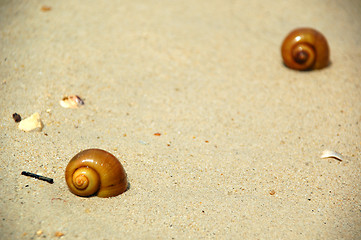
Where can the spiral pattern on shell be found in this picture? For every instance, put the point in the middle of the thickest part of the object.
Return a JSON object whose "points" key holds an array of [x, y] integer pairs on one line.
{"points": [[95, 172], [305, 49]]}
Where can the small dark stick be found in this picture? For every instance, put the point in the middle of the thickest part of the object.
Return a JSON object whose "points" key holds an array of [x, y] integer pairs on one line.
{"points": [[46, 179]]}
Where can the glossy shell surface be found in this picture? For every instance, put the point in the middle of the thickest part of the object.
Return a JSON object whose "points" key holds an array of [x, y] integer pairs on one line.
{"points": [[305, 49], [96, 172]]}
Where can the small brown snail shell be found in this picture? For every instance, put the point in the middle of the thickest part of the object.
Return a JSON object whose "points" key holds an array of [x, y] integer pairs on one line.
{"points": [[305, 49], [95, 172]]}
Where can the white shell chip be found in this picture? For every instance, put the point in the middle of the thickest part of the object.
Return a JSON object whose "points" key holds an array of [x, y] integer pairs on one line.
{"points": [[331, 154], [72, 101]]}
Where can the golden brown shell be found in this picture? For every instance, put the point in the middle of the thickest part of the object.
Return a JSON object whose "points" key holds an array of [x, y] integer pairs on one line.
{"points": [[305, 49], [96, 172]]}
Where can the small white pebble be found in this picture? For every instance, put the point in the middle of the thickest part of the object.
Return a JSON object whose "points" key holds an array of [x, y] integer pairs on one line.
{"points": [[32, 123], [143, 142]]}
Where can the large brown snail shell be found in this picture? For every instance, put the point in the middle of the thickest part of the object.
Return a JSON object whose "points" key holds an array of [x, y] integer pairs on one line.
{"points": [[305, 49], [96, 172]]}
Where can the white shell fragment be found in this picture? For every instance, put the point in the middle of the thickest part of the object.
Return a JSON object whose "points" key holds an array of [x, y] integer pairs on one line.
{"points": [[72, 101], [332, 154], [32, 123]]}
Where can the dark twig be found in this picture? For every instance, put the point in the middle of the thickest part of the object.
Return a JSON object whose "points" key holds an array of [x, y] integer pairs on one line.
{"points": [[46, 179]]}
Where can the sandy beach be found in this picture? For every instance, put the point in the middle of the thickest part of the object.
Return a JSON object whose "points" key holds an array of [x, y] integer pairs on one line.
{"points": [[219, 139]]}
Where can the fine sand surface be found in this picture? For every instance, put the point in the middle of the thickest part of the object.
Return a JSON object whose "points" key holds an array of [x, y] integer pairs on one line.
{"points": [[238, 156]]}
